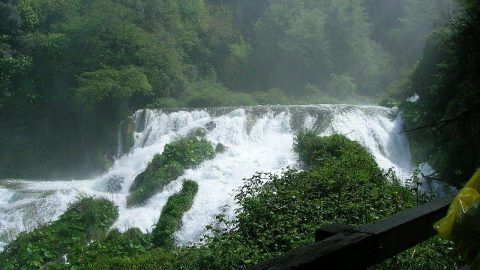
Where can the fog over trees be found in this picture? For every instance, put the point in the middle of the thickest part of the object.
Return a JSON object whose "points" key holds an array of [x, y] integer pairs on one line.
{"points": [[71, 70]]}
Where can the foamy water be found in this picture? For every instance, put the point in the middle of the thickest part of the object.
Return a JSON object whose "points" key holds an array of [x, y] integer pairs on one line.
{"points": [[256, 139]]}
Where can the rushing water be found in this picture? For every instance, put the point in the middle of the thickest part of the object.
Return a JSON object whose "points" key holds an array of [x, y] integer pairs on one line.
{"points": [[256, 139]]}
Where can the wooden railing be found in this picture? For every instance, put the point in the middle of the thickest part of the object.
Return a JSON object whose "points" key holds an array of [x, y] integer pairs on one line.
{"points": [[343, 247]]}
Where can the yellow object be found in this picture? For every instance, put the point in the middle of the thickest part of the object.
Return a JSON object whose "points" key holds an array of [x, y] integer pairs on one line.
{"points": [[460, 205]]}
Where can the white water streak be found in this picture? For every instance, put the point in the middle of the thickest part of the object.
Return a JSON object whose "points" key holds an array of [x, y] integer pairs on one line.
{"points": [[256, 139]]}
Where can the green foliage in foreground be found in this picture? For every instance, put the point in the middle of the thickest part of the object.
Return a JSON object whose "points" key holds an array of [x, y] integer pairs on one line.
{"points": [[172, 213], [314, 151], [119, 245], [86, 220], [177, 156], [435, 253], [341, 183]]}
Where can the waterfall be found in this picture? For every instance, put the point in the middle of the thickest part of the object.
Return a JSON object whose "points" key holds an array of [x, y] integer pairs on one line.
{"points": [[256, 139]]}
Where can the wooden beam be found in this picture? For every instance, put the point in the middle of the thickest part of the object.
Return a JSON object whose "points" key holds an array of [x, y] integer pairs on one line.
{"points": [[368, 245], [406, 229], [329, 230]]}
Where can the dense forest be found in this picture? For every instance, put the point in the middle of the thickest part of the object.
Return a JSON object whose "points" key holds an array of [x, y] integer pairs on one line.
{"points": [[72, 70]]}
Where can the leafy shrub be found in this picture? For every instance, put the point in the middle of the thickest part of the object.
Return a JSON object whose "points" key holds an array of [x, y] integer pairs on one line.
{"points": [[171, 217], [176, 157], [121, 245], [317, 151], [342, 184], [434, 253], [153, 183], [84, 221], [188, 152], [183, 258]]}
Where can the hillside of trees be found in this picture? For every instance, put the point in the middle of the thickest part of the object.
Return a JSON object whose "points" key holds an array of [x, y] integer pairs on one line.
{"points": [[443, 124], [70, 71]]}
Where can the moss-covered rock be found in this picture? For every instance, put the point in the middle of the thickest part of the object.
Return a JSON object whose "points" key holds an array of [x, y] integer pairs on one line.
{"points": [[153, 181], [210, 126], [114, 184], [171, 217], [86, 220], [178, 156], [126, 140], [198, 132], [220, 148]]}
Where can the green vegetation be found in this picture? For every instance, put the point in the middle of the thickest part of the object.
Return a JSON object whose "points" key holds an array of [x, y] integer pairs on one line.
{"points": [[446, 81], [85, 221], [172, 213], [119, 245], [434, 253], [341, 183], [70, 71], [177, 156]]}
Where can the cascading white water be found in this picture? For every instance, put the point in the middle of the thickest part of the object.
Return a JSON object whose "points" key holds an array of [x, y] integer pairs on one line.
{"points": [[256, 139]]}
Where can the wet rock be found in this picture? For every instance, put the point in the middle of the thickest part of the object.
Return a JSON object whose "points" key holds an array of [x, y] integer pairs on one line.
{"points": [[210, 126], [125, 138], [140, 120], [197, 132], [220, 148], [114, 184]]}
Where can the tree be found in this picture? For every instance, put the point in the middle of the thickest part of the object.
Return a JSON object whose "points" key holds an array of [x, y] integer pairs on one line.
{"points": [[111, 86], [299, 42]]}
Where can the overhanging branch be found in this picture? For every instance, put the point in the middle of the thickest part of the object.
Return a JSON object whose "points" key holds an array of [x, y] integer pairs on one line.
{"points": [[441, 123]]}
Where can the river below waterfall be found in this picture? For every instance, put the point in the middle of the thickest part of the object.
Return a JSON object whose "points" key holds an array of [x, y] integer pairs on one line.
{"points": [[256, 138]]}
